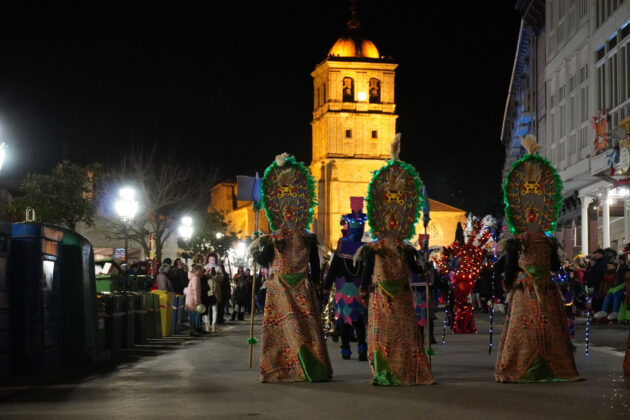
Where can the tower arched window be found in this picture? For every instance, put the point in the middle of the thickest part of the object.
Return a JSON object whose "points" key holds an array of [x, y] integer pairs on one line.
{"points": [[348, 89], [375, 91]]}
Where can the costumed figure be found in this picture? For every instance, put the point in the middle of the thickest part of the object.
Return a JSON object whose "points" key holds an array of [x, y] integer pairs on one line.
{"points": [[535, 345], [462, 263], [292, 348], [395, 350], [350, 311]]}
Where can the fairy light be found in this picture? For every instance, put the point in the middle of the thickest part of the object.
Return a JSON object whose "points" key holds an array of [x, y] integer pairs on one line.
{"points": [[491, 308], [448, 302], [589, 300], [465, 262]]}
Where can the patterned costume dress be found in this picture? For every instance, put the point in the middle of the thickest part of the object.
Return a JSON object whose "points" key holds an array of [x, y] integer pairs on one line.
{"points": [[350, 310], [292, 348], [535, 346], [292, 344], [395, 350]]}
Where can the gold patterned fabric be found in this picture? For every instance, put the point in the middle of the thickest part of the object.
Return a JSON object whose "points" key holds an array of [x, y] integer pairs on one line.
{"points": [[535, 345], [395, 349], [292, 346]]}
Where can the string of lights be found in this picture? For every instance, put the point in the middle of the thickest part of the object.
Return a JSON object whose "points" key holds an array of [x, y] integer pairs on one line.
{"points": [[492, 277], [587, 332], [465, 261]]}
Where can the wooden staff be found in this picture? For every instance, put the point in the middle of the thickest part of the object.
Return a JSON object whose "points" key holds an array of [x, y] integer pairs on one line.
{"points": [[252, 340]]}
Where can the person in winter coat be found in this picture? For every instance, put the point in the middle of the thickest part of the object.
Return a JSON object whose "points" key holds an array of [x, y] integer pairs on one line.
{"points": [[163, 280], [178, 277], [193, 298], [242, 296], [224, 302], [215, 278]]}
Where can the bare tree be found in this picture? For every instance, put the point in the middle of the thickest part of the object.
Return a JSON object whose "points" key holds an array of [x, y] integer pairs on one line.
{"points": [[166, 189]]}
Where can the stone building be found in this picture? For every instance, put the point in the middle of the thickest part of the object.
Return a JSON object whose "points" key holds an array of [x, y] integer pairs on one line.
{"points": [[354, 121]]}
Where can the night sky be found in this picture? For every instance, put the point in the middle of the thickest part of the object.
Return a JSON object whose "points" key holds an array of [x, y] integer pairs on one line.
{"points": [[232, 84]]}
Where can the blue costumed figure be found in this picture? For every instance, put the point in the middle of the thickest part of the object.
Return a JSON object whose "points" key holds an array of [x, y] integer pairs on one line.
{"points": [[350, 310]]}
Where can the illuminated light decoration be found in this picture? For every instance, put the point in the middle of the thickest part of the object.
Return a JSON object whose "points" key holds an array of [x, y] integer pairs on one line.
{"points": [[491, 309], [362, 96], [464, 262], [587, 331], [448, 304]]}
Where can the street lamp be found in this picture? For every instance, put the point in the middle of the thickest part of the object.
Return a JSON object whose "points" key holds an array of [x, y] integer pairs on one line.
{"points": [[126, 207], [185, 231], [219, 235], [3, 153]]}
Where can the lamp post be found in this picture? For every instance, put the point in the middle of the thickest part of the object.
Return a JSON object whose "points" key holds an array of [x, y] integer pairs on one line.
{"points": [[126, 207], [185, 231]]}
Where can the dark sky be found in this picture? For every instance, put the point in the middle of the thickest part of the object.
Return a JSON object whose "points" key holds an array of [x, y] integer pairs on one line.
{"points": [[232, 83]]}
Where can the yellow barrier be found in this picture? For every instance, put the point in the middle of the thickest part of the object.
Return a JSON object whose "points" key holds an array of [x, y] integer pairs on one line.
{"points": [[166, 311]]}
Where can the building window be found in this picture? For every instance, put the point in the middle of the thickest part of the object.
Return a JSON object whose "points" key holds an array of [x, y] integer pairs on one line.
{"points": [[374, 134], [601, 51], [375, 91], [572, 112], [573, 144], [612, 42], [348, 134], [584, 103], [348, 89]]}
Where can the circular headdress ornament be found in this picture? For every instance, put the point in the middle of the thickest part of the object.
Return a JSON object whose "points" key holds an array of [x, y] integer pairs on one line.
{"points": [[394, 198], [288, 194], [532, 193]]}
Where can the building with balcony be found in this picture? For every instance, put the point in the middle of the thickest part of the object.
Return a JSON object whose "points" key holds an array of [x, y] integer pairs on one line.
{"points": [[581, 74]]}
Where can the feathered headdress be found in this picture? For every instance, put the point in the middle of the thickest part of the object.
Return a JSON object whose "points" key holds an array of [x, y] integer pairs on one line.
{"points": [[532, 193], [394, 197], [288, 194]]}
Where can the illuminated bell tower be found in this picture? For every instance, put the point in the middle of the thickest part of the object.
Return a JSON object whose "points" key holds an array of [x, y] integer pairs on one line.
{"points": [[354, 122]]}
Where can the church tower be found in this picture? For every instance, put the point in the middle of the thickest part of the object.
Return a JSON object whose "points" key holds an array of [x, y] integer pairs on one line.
{"points": [[354, 122]]}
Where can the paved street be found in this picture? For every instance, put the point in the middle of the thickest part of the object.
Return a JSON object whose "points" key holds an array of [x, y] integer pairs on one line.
{"points": [[208, 378]]}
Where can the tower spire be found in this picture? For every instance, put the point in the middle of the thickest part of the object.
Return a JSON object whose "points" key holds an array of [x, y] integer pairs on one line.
{"points": [[353, 23]]}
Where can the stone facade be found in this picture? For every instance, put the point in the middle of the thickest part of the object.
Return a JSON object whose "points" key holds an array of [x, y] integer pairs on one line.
{"points": [[354, 122]]}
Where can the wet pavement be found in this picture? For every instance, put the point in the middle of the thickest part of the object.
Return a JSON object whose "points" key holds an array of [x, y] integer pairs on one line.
{"points": [[183, 377]]}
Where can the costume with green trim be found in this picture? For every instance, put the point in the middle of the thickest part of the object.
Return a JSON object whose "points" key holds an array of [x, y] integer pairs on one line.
{"points": [[535, 345], [395, 350], [292, 344]]}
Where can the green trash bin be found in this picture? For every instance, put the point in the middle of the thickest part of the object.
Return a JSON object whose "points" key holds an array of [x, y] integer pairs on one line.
{"points": [[156, 323], [129, 319], [109, 275], [142, 323], [113, 322]]}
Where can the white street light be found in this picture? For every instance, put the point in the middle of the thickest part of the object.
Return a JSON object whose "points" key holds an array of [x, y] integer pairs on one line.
{"points": [[219, 235], [126, 207], [241, 249], [3, 153], [185, 229]]}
